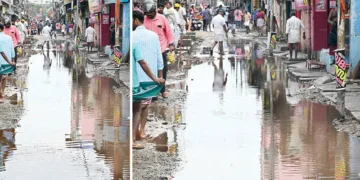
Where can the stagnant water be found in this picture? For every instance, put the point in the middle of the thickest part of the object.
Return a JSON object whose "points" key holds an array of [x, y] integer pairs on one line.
{"points": [[74, 127], [255, 128]]}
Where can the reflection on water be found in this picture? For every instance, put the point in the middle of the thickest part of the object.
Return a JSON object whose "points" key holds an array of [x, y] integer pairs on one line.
{"points": [[255, 128], [62, 100]]}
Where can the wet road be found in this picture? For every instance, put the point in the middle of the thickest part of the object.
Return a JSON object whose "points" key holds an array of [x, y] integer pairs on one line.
{"points": [[75, 127], [255, 128]]}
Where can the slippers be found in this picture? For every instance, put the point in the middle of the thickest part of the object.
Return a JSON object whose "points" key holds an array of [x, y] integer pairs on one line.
{"points": [[137, 146]]}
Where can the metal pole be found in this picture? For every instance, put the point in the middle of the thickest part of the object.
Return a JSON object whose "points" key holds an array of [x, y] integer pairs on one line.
{"points": [[310, 29]]}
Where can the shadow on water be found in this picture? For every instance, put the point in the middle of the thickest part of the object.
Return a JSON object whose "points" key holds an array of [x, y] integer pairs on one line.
{"points": [[75, 127], [256, 127]]}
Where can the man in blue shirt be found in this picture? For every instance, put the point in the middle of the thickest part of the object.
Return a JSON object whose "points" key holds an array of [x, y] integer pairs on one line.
{"points": [[147, 66], [6, 51], [254, 16]]}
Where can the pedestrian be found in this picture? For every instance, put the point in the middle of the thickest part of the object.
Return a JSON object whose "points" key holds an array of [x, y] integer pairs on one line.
{"points": [[293, 28], [40, 27], [63, 29], [112, 34], [238, 17], [46, 32], [174, 20], [158, 23], [254, 17], [231, 21], [247, 18], [332, 38], [182, 16], [226, 18], [149, 69], [219, 25], [206, 17], [137, 6], [90, 35], [21, 28], [7, 52], [11, 31], [160, 9], [260, 20]]}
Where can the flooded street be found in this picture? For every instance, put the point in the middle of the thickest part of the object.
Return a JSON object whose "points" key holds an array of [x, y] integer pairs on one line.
{"points": [[74, 126], [254, 127]]}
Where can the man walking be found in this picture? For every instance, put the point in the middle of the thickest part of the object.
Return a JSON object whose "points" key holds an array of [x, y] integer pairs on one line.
{"points": [[173, 18], [7, 51], [219, 26], [47, 35], [90, 35], [293, 27], [238, 17], [158, 24], [147, 67], [206, 17], [11, 31]]}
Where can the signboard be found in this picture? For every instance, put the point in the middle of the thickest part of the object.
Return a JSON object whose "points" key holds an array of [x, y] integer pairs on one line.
{"points": [[340, 68], [94, 6], [105, 19], [117, 56], [109, 1], [301, 4], [320, 5], [332, 4], [105, 9], [273, 40]]}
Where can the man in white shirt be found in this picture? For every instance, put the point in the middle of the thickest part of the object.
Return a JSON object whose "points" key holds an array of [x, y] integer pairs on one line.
{"points": [[173, 18], [90, 35], [293, 27], [219, 25], [47, 35], [183, 19]]}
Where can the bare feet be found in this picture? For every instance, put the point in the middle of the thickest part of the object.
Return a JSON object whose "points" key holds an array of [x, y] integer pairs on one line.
{"points": [[165, 95], [137, 146]]}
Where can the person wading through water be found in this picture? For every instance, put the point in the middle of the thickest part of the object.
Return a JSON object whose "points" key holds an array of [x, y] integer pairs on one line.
{"points": [[147, 67], [158, 24], [219, 26]]}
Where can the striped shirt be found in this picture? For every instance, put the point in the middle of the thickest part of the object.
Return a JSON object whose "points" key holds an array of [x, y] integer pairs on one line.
{"points": [[149, 44]]}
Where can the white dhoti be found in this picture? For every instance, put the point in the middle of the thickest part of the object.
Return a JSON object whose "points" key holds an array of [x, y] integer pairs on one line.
{"points": [[219, 37]]}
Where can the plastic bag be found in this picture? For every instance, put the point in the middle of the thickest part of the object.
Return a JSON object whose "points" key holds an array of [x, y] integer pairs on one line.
{"points": [[171, 57]]}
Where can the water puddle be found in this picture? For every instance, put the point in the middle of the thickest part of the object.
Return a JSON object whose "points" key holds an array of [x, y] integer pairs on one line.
{"points": [[255, 127], [75, 126]]}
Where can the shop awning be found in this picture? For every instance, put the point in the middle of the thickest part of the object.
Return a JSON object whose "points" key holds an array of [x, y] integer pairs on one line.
{"points": [[6, 1]]}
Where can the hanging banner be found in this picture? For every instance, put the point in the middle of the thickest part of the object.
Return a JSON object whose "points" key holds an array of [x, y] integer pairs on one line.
{"points": [[332, 4], [104, 9], [94, 6], [320, 5], [300, 4], [340, 68]]}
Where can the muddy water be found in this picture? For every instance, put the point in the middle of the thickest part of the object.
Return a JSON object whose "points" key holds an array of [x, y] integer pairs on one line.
{"points": [[75, 126], [256, 127]]}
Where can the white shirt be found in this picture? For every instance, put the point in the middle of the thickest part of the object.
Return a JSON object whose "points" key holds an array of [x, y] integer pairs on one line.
{"points": [[226, 16], [218, 23], [293, 27], [172, 16], [182, 13], [89, 34], [46, 32]]}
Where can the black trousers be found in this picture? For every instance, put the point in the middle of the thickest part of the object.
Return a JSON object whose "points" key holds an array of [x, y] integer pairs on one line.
{"points": [[204, 25], [15, 49], [165, 61]]}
